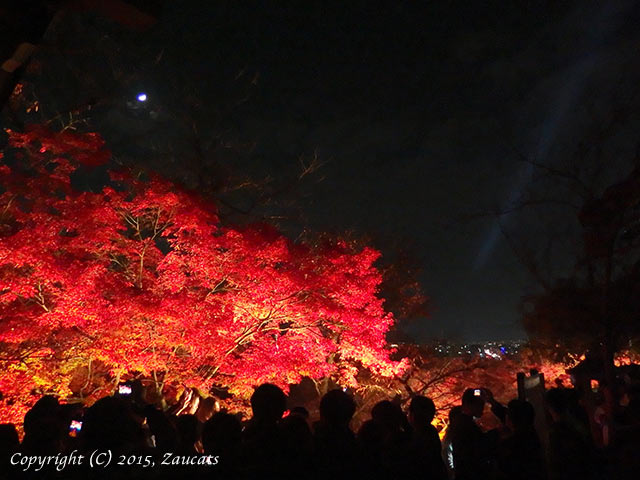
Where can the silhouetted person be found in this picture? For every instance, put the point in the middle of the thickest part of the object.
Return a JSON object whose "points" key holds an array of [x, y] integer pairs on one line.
{"points": [[336, 447], [298, 445], [447, 446], [9, 442], [188, 439], [44, 428], [301, 412], [627, 435], [110, 425], [570, 450], [520, 454], [164, 433], [222, 436], [395, 454], [371, 443], [426, 448], [471, 447], [262, 438]]}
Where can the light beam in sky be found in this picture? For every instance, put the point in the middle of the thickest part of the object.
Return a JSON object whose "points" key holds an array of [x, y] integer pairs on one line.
{"points": [[573, 81]]}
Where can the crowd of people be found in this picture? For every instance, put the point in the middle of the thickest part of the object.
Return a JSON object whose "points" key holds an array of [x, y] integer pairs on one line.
{"points": [[276, 442]]}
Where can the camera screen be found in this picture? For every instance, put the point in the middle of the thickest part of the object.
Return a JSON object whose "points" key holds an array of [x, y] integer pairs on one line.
{"points": [[75, 425], [124, 390]]}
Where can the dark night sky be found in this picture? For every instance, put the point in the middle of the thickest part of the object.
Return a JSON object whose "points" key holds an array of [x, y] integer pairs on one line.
{"points": [[417, 108]]}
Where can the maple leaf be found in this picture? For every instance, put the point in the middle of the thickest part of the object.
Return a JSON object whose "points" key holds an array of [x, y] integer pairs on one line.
{"points": [[144, 281]]}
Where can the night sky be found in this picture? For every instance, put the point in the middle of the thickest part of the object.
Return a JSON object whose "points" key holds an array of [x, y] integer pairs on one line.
{"points": [[421, 112]]}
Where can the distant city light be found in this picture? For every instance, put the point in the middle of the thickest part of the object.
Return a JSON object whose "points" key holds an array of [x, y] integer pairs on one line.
{"points": [[491, 354], [142, 97], [496, 349]]}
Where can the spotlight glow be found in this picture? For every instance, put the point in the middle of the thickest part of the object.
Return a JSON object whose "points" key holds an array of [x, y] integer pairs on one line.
{"points": [[142, 97]]}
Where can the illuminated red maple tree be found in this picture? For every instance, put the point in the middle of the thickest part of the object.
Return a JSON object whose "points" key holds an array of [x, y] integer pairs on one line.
{"points": [[142, 278]]}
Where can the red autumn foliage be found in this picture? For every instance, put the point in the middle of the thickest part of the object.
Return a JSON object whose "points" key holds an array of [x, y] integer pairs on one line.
{"points": [[143, 280]]}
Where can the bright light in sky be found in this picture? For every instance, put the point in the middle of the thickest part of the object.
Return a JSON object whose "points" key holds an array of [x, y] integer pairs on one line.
{"points": [[142, 97]]}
